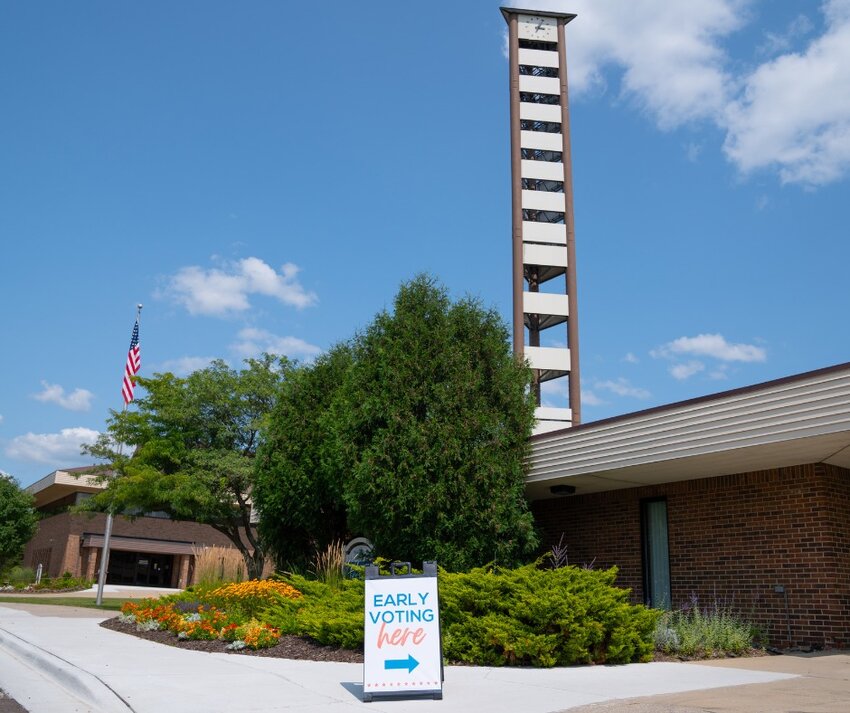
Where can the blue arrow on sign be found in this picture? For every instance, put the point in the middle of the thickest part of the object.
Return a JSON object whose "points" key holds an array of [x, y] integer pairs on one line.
{"points": [[409, 663]]}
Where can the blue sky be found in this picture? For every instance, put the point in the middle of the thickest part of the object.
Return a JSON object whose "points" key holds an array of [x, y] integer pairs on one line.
{"points": [[264, 175]]}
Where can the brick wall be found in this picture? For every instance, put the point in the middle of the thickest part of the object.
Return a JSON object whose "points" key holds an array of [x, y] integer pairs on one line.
{"points": [[51, 536], [61, 534], [732, 539]]}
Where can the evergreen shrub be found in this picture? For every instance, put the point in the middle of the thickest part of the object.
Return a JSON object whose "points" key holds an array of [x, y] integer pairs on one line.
{"points": [[532, 616], [495, 616], [332, 615]]}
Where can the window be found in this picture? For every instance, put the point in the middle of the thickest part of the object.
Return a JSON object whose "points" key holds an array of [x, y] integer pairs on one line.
{"points": [[541, 155], [537, 98], [538, 184], [656, 555], [542, 216], [538, 45], [550, 127], [531, 71]]}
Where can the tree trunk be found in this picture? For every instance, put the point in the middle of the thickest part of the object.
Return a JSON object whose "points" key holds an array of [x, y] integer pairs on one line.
{"points": [[255, 563], [255, 560]]}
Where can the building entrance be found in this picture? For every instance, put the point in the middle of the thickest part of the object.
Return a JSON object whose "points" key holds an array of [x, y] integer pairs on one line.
{"points": [[140, 568]]}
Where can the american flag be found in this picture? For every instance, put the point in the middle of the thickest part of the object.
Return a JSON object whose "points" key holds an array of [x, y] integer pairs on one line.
{"points": [[134, 363]]}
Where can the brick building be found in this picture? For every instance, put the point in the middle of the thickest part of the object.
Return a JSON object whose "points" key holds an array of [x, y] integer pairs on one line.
{"points": [[741, 498], [147, 551]]}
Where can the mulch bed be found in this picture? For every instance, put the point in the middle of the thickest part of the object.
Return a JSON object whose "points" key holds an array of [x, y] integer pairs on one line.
{"points": [[290, 647], [296, 647]]}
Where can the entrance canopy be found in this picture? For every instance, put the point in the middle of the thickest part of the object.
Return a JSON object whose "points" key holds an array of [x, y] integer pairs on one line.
{"points": [[139, 544]]}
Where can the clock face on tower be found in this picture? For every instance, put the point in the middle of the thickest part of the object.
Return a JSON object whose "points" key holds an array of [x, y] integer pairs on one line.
{"points": [[538, 27]]}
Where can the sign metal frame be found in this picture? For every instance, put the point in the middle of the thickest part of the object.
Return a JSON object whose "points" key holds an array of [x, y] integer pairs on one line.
{"points": [[410, 593]]}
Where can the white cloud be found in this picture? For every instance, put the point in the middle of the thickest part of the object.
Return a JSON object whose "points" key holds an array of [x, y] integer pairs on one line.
{"points": [[686, 370], [710, 345], [622, 387], [630, 358], [719, 373], [221, 292], [776, 42], [589, 398], [794, 112], [77, 400], [185, 365], [672, 64], [693, 151], [789, 113], [253, 342], [58, 449]]}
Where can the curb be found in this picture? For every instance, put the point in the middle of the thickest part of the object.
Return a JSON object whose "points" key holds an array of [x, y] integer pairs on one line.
{"points": [[76, 682]]}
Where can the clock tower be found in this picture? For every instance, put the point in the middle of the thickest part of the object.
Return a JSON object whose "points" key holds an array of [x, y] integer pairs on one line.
{"points": [[545, 314]]}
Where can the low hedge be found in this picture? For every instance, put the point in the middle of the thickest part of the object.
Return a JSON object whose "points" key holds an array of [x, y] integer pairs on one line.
{"points": [[331, 615], [551, 617], [495, 616]]}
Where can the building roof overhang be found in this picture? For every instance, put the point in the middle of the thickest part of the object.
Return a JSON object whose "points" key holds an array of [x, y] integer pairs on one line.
{"points": [[61, 483], [508, 11], [791, 421]]}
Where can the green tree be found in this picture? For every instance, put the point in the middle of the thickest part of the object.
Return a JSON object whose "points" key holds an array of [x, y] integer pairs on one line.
{"points": [[434, 422], [191, 444], [18, 521], [414, 435], [298, 484]]}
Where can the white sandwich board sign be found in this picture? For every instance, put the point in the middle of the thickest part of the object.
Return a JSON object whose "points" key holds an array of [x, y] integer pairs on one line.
{"points": [[402, 653]]}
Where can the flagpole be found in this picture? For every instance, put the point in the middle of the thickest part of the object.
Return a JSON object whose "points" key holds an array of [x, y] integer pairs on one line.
{"points": [[107, 533]]}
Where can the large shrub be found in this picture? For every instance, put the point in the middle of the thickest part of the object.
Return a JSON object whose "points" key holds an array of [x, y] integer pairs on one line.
{"points": [[555, 617]]}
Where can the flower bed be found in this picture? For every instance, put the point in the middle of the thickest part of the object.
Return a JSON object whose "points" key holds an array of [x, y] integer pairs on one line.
{"points": [[230, 618]]}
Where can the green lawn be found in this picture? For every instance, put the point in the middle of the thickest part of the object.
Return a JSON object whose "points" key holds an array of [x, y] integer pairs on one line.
{"points": [[88, 602]]}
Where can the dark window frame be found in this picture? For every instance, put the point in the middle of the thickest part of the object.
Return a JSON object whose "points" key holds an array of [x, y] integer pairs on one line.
{"points": [[528, 154], [540, 98], [644, 549], [533, 70], [542, 184], [538, 45], [545, 127]]}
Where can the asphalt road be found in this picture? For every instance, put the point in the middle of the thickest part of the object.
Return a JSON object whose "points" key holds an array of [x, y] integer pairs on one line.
{"points": [[10, 705]]}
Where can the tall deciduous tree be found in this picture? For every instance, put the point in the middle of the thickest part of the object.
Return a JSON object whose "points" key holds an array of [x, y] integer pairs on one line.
{"points": [[189, 449], [18, 521]]}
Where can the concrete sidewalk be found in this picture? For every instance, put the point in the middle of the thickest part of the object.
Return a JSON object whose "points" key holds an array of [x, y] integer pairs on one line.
{"points": [[64, 662], [110, 591]]}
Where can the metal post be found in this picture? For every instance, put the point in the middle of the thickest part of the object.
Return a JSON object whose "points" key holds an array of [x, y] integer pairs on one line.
{"points": [[104, 556]]}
